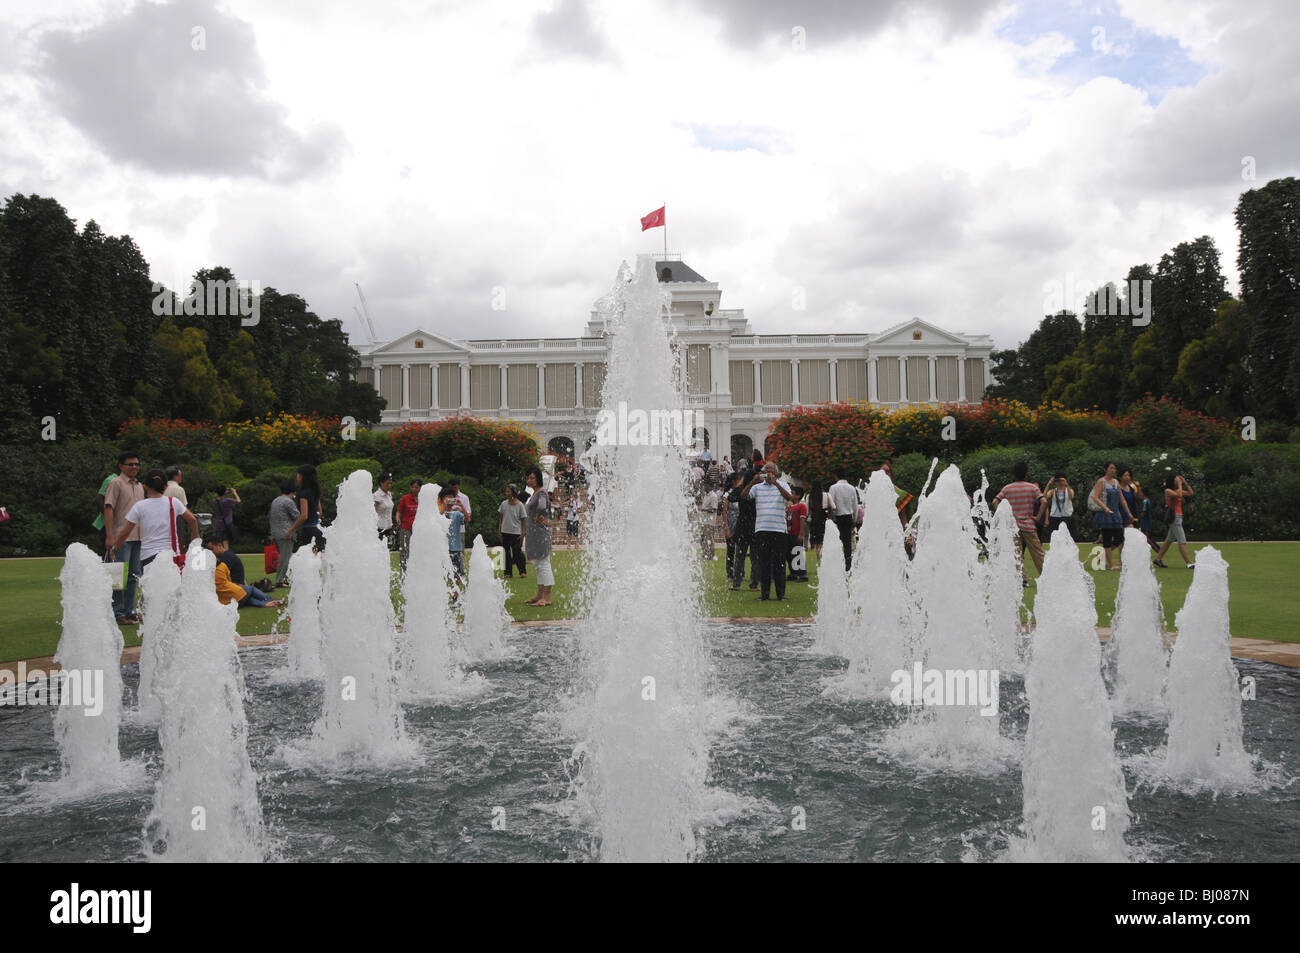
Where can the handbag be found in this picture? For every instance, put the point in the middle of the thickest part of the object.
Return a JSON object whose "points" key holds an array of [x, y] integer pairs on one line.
{"points": [[4, 514], [178, 557], [1093, 505], [270, 558]]}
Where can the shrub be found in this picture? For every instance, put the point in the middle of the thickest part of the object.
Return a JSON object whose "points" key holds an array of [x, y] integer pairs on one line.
{"points": [[49, 489], [167, 440], [1167, 423], [466, 446], [334, 473], [813, 442], [305, 439]]}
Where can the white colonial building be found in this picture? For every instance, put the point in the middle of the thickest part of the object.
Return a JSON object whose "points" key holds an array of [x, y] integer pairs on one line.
{"points": [[738, 382]]}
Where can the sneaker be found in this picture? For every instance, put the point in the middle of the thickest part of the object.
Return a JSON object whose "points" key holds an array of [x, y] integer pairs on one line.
{"points": [[1024, 583], [1191, 565], [1156, 562]]}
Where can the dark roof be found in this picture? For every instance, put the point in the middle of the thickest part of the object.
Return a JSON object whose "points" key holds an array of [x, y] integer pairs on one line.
{"points": [[679, 270]]}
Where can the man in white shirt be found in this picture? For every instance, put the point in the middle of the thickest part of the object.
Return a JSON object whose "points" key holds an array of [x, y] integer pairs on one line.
{"points": [[771, 541], [174, 488], [844, 510]]}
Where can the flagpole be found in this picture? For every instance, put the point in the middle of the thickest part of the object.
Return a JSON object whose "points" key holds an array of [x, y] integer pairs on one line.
{"points": [[665, 231]]}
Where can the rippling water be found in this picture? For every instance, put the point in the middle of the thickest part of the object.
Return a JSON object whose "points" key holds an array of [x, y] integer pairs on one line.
{"points": [[783, 755]]}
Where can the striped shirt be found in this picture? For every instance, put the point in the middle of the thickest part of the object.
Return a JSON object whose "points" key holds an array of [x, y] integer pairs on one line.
{"points": [[771, 507], [1023, 498]]}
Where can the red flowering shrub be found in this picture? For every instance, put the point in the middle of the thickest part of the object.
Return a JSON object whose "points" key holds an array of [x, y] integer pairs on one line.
{"points": [[169, 440], [466, 446], [813, 442], [1164, 422]]}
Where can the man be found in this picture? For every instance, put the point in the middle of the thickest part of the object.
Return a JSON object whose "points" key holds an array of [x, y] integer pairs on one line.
{"points": [[743, 533], [706, 457], [229, 578], [448, 502], [174, 488], [844, 510], [770, 537], [796, 519], [1023, 497], [282, 518], [406, 509], [99, 505], [123, 492], [461, 498]]}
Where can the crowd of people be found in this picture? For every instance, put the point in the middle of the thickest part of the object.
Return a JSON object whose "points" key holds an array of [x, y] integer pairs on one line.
{"points": [[748, 510]]}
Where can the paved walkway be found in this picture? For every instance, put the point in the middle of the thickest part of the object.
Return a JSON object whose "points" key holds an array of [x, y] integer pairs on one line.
{"points": [[1260, 650]]}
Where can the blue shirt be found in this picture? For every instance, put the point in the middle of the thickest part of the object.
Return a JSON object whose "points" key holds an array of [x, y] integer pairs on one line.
{"points": [[770, 517], [454, 543]]}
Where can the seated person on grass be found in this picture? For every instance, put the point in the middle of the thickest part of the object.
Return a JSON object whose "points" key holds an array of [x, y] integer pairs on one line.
{"points": [[230, 579]]}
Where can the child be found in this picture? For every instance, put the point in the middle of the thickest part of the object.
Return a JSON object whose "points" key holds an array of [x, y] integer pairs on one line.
{"points": [[452, 509], [572, 517], [796, 516]]}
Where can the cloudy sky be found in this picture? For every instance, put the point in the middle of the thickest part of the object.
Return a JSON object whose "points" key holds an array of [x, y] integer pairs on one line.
{"points": [[947, 159]]}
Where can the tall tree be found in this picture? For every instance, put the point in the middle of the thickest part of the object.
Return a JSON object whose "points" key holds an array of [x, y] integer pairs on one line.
{"points": [[1022, 372], [1268, 258]]}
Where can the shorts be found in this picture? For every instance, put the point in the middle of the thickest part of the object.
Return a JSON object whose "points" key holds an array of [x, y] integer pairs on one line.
{"points": [[1176, 534], [542, 567], [1112, 536]]}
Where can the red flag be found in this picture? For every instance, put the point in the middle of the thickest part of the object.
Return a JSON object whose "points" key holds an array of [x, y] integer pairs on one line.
{"points": [[654, 219]]}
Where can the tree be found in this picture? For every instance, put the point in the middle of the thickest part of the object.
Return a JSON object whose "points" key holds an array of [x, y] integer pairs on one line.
{"points": [[1211, 375], [194, 391], [1021, 373], [1268, 258]]}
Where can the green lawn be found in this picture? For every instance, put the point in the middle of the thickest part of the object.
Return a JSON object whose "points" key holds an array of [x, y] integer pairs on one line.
{"points": [[1262, 582]]}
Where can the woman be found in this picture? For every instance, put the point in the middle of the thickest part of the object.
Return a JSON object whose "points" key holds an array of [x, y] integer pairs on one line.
{"points": [[816, 517], [156, 516], [309, 494], [384, 504], [1128, 489], [225, 513], [537, 538], [1176, 490], [1057, 506], [1112, 516], [731, 516], [510, 525]]}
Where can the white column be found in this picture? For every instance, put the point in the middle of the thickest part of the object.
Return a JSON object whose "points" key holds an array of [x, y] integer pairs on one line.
{"points": [[988, 379], [961, 378], [934, 393], [873, 383], [505, 402], [577, 401], [758, 385], [464, 385], [406, 387], [433, 383], [902, 380], [541, 386], [835, 381], [794, 380]]}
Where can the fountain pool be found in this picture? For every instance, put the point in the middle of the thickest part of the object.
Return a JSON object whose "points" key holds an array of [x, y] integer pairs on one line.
{"points": [[777, 744]]}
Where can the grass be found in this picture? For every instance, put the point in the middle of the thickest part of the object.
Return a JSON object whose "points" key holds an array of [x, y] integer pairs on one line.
{"points": [[1262, 600]]}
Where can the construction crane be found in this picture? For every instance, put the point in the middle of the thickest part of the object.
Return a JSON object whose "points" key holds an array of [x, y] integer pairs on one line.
{"points": [[365, 312]]}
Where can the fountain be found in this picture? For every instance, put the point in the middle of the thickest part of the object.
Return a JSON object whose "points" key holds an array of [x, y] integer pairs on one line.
{"points": [[205, 805], [1137, 642], [306, 632], [834, 616], [1205, 749], [90, 654], [958, 732], [160, 598], [883, 631], [361, 718], [1003, 592], [644, 754], [1075, 804], [486, 619], [429, 620]]}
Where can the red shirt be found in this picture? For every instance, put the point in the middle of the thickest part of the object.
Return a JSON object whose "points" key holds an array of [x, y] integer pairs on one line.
{"points": [[1023, 498], [406, 508], [794, 517]]}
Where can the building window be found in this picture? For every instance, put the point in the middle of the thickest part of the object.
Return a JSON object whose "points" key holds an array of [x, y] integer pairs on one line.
{"points": [[484, 387]]}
